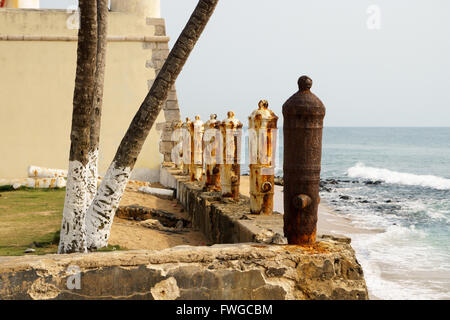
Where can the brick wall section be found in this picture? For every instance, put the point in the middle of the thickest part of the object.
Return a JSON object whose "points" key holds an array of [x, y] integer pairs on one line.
{"points": [[171, 108]]}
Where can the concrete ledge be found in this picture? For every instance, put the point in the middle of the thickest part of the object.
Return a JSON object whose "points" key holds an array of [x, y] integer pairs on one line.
{"points": [[244, 271], [151, 39], [224, 221]]}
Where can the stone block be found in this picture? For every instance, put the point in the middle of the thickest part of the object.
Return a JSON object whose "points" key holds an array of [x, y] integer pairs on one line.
{"points": [[160, 30], [156, 22], [171, 105], [150, 45], [172, 115], [160, 55], [226, 272]]}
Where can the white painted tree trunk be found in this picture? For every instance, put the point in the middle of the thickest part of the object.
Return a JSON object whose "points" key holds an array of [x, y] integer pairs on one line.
{"points": [[73, 232], [100, 214], [92, 176]]}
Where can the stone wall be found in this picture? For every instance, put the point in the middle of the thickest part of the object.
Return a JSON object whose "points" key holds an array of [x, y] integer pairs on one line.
{"points": [[171, 108], [220, 220], [242, 272], [249, 261]]}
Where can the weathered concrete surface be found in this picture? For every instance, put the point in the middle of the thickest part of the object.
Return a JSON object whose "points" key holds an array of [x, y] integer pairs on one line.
{"points": [[245, 271], [260, 267], [222, 220]]}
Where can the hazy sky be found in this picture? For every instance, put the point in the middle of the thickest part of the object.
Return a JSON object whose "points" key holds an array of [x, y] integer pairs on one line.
{"points": [[397, 75]]}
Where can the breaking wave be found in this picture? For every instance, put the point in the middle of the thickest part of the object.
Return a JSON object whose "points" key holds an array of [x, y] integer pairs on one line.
{"points": [[388, 176]]}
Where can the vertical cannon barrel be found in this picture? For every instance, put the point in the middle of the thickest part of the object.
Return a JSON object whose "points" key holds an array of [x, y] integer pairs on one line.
{"points": [[303, 123], [212, 148], [231, 131], [186, 146], [262, 138], [177, 151], [197, 130]]}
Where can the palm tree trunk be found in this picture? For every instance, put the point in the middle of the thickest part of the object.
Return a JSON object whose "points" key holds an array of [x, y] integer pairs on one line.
{"points": [[73, 235], [97, 101], [101, 213]]}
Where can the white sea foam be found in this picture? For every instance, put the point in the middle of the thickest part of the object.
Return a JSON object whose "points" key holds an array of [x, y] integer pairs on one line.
{"points": [[389, 257], [388, 176]]}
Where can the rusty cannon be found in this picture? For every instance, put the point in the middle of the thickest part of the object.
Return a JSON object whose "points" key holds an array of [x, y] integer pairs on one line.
{"points": [[187, 146], [177, 150], [212, 149], [231, 131], [196, 130], [262, 143], [303, 123]]}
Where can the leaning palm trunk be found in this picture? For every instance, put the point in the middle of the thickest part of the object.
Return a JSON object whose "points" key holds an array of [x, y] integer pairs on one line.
{"points": [[73, 235], [97, 100], [101, 213]]}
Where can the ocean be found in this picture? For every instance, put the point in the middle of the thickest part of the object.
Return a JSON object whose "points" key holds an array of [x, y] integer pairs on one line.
{"points": [[394, 185]]}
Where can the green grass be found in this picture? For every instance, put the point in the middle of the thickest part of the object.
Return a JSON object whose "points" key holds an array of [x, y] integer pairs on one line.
{"points": [[30, 218]]}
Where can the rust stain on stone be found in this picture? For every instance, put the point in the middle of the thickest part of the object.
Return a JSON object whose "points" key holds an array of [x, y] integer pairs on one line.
{"points": [[315, 248]]}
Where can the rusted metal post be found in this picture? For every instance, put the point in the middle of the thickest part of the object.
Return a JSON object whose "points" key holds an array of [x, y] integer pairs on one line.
{"points": [[187, 147], [212, 145], [262, 142], [303, 122], [231, 130], [196, 131]]}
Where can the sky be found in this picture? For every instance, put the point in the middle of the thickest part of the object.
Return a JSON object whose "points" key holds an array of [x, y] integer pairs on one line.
{"points": [[373, 63]]}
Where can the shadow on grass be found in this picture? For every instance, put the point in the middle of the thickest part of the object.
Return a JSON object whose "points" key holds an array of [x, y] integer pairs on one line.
{"points": [[47, 245], [9, 188]]}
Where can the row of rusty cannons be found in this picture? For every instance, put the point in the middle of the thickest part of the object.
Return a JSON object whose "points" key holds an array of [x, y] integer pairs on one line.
{"points": [[215, 147], [211, 152]]}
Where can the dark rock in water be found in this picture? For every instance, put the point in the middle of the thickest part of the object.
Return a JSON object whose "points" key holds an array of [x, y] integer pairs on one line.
{"points": [[365, 201], [388, 201], [375, 183], [332, 181], [323, 186], [388, 208], [344, 181], [344, 197], [355, 181], [325, 189]]}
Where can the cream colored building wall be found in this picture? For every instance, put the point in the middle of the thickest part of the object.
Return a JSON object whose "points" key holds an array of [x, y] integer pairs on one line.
{"points": [[37, 84]]}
